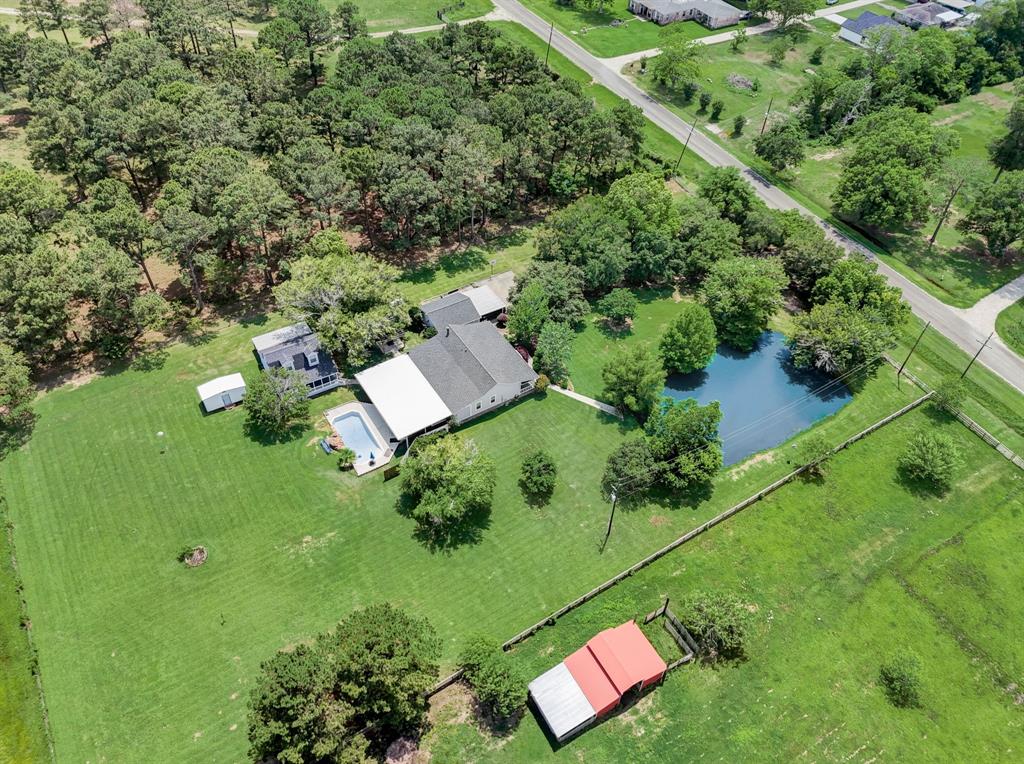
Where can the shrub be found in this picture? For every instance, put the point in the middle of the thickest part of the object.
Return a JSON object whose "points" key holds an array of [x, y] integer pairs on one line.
{"points": [[494, 675], [950, 395], [631, 468], [817, 55], [346, 457], [276, 400], [618, 306], [689, 90], [541, 385], [554, 349], [738, 124], [633, 379], [900, 678], [690, 340], [716, 109], [720, 623], [815, 450], [705, 101], [931, 457], [777, 50], [538, 474]]}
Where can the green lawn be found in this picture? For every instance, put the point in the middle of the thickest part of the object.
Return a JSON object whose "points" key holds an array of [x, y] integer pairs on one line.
{"points": [[956, 270], [389, 15], [991, 402], [1010, 325], [593, 30], [100, 514], [21, 722], [822, 565]]}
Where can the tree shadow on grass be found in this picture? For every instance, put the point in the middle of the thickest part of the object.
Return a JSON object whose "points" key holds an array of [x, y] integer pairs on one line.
{"points": [[150, 360], [920, 487], [535, 499], [269, 437], [445, 538]]}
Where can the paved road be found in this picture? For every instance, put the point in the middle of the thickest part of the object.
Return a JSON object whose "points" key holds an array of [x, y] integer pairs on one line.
{"points": [[957, 325], [830, 13]]}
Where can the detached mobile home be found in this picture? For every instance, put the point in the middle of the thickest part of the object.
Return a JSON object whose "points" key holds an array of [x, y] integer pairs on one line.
{"points": [[222, 392]]}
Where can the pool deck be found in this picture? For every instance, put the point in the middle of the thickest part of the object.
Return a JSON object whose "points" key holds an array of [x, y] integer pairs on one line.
{"points": [[377, 427]]}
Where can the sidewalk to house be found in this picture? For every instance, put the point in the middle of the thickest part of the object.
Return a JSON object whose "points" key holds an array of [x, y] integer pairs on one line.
{"points": [[605, 407]]}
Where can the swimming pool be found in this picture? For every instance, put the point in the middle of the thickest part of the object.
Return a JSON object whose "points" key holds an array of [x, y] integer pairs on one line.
{"points": [[357, 436], [765, 399]]}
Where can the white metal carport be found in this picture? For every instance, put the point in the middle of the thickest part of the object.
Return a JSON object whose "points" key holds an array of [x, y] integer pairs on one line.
{"points": [[403, 396], [561, 702]]}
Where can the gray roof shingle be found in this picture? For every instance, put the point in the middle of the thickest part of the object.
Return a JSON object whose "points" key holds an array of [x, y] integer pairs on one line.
{"points": [[868, 20], [454, 308]]}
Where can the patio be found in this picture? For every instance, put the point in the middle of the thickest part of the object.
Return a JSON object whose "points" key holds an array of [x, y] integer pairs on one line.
{"points": [[373, 437]]}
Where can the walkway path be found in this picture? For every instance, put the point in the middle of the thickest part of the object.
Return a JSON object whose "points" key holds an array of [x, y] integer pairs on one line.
{"points": [[619, 62], [983, 313], [496, 15], [606, 408], [957, 326]]}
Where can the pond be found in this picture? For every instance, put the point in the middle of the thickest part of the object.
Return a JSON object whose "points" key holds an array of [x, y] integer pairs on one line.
{"points": [[765, 400]]}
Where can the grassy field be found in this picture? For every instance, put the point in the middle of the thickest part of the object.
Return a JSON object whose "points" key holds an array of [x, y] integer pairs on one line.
{"points": [[21, 722], [956, 270], [824, 567], [101, 506], [594, 32], [1010, 325], [389, 15]]}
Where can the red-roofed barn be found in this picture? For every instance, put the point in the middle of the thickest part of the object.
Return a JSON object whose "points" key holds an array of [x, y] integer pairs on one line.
{"points": [[592, 681]]}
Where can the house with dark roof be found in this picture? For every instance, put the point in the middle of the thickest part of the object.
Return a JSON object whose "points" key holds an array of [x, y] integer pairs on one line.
{"points": [[711, 13], [855, 30], [297, 347], [465, 306], [464, 371]]}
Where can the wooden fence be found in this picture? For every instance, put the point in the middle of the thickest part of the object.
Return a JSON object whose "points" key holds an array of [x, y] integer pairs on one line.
{"points": [[969, 423], [690, 535]]}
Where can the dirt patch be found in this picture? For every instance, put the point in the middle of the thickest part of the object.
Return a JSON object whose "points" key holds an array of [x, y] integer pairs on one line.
{"points": [[872, 546], [453, 705], [673, 187], [658, 520], [991, 99], [194, 557], [406, 750], [826, 155], [767, 457], [309, 544], [949, 120]]}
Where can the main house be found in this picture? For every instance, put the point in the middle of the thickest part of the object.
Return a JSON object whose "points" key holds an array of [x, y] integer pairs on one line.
{"points": [[711, 13], [297, 347], [855, 30], [464, 371]]}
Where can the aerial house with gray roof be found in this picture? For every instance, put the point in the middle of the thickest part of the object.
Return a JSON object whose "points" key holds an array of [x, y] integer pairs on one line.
{"points": [[711, 13], [297, 347], [463, 372]]}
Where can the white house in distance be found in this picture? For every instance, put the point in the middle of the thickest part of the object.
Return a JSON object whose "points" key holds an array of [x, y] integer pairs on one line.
{"points": [[222, 392], [462, 373], [711, 13]]}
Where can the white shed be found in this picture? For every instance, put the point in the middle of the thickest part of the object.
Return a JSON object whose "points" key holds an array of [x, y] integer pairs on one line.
{"points": [[221, 392]]}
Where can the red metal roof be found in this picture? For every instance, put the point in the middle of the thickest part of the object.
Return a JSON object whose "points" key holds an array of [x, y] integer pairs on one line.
{"points": [[613, 662]]}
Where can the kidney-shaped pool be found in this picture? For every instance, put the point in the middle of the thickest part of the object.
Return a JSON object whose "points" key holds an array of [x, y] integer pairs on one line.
{"points": [[765, 399]]}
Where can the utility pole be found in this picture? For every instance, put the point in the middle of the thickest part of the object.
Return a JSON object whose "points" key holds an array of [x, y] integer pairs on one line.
{"points": [[693, 126], [611, 517], [912, 349], [983, 344], [551, 34], [767, 113]]}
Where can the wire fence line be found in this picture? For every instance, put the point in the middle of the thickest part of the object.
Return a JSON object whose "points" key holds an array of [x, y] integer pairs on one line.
{"points": [[551, 618], [1014, 458]]}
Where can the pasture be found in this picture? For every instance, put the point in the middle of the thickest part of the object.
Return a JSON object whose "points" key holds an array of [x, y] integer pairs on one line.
{"points": [[839, 573]]}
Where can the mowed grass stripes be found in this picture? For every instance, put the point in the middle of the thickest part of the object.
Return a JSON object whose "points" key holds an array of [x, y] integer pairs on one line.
{"points": [[145, 660]]}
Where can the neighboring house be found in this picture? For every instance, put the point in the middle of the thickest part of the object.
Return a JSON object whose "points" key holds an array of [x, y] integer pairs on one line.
{"points": [[297, 347], [590, 683], [854, 30], [711, 13], [222, 392], [957, 5], [463, 372], [465, 306], [926, 15]]}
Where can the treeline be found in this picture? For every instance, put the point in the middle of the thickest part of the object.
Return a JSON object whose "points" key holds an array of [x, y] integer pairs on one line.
{"points": [[223, 159]]}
